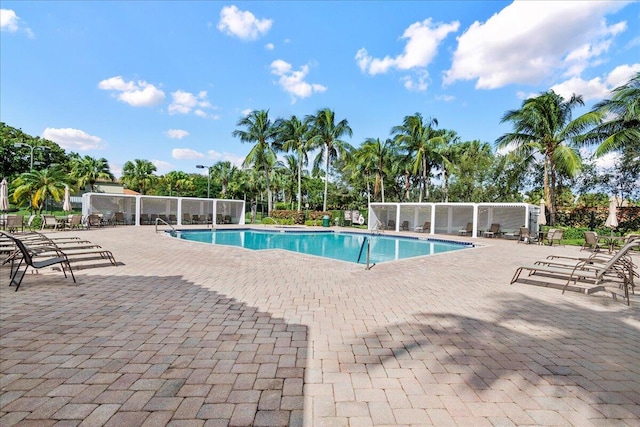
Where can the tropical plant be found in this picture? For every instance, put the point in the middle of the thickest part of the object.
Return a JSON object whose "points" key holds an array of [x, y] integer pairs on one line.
{"points": [[293, 135], [260, 131], [139, 175], [34, 187], [178, 181], [620, 128], [326, 134], [418, 138], [224, 172], [88, 170], [544, 129], [375, 155]]}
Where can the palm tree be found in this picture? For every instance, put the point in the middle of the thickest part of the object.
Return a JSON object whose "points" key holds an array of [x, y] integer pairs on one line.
{"points": [[293, 135], [224, 172], [621, 126], [326, 134], [544, 126], [417, 137], [179, 181], [88, 170], [373, 152], [259, 130], [449, 155], [138, 175], [35, 186]]}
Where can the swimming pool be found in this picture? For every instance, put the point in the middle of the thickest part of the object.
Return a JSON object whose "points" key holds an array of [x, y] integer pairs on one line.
{"points": [[343, 246]]}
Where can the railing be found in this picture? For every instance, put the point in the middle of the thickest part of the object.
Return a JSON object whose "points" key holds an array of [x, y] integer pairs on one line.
{"points": [[366, 241], [158, 220]]}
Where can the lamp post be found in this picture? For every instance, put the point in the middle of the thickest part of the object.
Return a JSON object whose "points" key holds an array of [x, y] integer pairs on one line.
{"points": [[31, 148], [208, 168]]}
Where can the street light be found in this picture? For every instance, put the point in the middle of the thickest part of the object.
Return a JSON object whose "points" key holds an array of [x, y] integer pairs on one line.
{"points": [[208, 168], [31, 148]]}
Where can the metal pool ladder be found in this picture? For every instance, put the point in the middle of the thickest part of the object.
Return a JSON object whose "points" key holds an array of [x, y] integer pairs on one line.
{"points": [[158, 220], [368, 243]]}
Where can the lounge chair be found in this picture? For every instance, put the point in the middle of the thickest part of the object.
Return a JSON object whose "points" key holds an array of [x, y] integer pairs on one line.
{"points": [[24, 255], [186, 218], [466, 231], [227, 219], [493, 231], [219, 219], [591, 241], [391, 224], [426, 227], [144, 219], [585, 270], [404, 226], [95, 220], [74, 249]]}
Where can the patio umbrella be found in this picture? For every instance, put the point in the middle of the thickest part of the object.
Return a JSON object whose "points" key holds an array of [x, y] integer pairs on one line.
{"points": [[4, 195], [612, 219], [66, 206], [542, 216]]}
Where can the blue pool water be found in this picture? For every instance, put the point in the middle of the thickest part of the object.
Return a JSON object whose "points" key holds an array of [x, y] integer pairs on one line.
{"points": [[337, 245]]}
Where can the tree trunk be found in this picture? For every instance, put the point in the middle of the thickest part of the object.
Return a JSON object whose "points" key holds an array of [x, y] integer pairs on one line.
{"points": [[547, 194], [326, 181], [299, 181]]}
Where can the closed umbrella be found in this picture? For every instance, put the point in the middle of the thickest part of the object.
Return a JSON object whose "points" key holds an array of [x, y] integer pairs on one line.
{"points": [[4, 195], [542, 216], [612, 219], [66, 206]]}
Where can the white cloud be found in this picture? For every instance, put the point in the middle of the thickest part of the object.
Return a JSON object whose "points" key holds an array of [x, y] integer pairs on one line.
{"points": [[294, 82], [446, 98], [423, 39], [246, 112], [417, 84], [185, 154], [186, 102], [116, 169], [527, 42], [177, 133], [269, 46], [162, 167], [242, 24], [73, 139], [136, 94], [10, 22], [226, 157], [597, 88]]}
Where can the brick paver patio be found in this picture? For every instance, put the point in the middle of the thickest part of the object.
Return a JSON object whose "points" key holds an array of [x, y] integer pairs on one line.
{"points": [[188, 334]]}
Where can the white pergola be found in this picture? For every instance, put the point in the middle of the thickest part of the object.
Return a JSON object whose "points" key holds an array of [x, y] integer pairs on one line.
{"points": [[449, 218], [177, 209]]}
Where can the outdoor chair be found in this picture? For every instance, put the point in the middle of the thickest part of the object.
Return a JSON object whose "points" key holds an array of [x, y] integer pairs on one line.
{"points": [[404, 226], [466, 231], [144, 219], [525, 236], [95, 220], [391, 224], [24, 256], [591, 241], [426, 227], [74, 222], [589, 272], [554, 235], [493, 231], [186, 218], [173, 219], [118, 218], [219, 219], [50, 221], [13, 223]]}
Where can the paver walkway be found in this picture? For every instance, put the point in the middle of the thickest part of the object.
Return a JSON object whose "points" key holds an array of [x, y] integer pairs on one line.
{"points": [[192, 334]]}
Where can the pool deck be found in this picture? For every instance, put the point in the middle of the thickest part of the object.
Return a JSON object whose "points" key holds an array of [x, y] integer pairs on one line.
{"points": [[188, 334]]}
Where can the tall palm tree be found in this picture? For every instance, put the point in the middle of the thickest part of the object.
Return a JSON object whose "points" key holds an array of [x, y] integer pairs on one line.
{"points": [[377, 154], [620, 128], [418, 138], [326, 135], [139, 175], [88, 170], [260, 131], [224, 172], [293, 135], [34, 187], [449, 155], [543, 126]]}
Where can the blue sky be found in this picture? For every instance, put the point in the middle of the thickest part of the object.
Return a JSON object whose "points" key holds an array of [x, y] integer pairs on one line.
{"points": [[167, 81]]}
